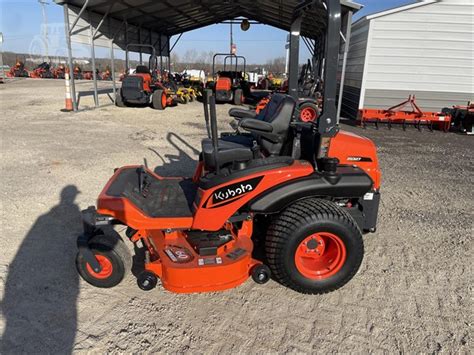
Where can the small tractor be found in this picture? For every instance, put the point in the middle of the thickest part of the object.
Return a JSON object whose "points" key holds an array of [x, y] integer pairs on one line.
{"points": [[18, 70], [227, 84], [42, 71], [59, 72], [143, 87]]}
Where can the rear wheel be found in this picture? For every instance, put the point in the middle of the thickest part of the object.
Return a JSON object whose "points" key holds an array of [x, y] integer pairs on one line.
{"points": [[119, 100], [159, 100], [113, 257], [308, 112], [314, 247], [238, 97]]}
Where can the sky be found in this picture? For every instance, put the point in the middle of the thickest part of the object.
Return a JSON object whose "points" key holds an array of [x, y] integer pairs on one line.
{"points": [[21, 24]]}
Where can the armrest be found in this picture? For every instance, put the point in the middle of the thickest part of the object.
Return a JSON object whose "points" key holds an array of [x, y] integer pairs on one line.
{"points": [[239, 113], [257, 126]]}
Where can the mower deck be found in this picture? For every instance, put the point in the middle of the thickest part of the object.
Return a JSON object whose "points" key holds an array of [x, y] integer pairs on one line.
{"points": [[186, 264]]}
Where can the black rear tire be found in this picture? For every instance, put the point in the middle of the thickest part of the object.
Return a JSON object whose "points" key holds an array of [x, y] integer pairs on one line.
{"points": [[238, 97], [293, 226], [119, 100], [157, 100], [111, 249]]}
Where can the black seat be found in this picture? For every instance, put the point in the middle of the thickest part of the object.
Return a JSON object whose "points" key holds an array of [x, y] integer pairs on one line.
{"points": [[278, 114]]}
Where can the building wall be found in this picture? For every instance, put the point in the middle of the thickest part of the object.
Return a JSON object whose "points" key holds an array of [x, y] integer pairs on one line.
{"points": [[355, 69], [427, 51]]}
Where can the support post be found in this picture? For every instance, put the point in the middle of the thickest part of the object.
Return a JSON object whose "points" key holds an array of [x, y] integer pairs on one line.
{"points": [[140, 42], [94, 75], [112, 68], [69, 54], [294, 56], [344, 63], [328, 120]]}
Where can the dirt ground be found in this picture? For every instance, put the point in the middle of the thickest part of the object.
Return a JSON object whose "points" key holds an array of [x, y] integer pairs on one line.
{"points": [[413, 292]]}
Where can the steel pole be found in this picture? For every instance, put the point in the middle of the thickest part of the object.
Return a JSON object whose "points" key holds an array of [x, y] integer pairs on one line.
{"points": [[69, 53], [112, 68], [294, 56], [94, 75], [344, 64]]}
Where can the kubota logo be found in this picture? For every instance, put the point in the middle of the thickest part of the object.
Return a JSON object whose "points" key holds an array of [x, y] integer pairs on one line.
{"points": [[233, 192], [229, 193]]}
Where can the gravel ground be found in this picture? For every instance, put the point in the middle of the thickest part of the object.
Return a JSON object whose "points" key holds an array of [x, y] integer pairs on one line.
{"points": [[413, 292]]}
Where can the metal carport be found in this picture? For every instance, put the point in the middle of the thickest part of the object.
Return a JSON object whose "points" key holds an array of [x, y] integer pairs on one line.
{"points": [[116, 24]]}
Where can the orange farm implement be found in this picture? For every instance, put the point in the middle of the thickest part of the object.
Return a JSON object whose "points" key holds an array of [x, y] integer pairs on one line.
{"points": [[402, 115]]}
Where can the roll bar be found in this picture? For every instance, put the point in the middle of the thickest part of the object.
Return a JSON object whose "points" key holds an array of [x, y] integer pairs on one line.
{"points": [[152, 63], [227, 55]]}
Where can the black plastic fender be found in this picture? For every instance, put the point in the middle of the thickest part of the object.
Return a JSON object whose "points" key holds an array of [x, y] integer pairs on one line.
{"points": [[347, 182]]}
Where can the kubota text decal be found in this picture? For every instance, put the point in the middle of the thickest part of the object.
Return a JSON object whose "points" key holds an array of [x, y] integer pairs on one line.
{"points": [[232, 192]]}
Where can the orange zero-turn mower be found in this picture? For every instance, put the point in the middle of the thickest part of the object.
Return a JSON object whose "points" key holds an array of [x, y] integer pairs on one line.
{"points": [[256, 210], [143, 87], [285, 199]]}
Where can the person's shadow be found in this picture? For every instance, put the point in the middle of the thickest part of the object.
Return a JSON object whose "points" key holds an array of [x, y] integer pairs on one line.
{"points": [[39, 304]]}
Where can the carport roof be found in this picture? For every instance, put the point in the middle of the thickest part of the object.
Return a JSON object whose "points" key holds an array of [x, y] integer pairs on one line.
{"points": [[172, 17]]}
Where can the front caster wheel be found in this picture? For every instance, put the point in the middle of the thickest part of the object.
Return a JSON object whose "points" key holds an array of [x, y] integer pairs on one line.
{"points": [[112, 256], [147, 281], [261, 274]]}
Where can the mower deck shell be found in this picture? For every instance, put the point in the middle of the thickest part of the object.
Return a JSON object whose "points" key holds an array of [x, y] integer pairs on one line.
{"points": [[198, 275]]}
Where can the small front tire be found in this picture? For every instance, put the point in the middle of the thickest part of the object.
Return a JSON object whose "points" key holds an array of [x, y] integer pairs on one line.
{"points": [[147, 281], [113, 257]]}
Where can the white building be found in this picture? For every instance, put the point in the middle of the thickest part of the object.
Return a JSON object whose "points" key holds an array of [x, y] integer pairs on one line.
{"points": [[425, 49]]}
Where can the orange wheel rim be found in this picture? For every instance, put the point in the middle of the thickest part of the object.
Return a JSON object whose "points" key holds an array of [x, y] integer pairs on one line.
{"points": [[105, 264], [163, 100], [320, 256], [308, 114]]}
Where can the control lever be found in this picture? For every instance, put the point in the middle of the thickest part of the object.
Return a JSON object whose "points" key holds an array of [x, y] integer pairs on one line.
{"points": [[142, 181]]}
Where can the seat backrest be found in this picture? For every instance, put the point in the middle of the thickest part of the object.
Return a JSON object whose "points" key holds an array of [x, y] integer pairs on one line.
{"points": [[279, 112], [142, 69], [269, 110]]}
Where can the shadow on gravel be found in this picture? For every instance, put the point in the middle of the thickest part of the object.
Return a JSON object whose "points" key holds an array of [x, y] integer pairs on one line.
{"points": [[39, 304], [181, 164]]}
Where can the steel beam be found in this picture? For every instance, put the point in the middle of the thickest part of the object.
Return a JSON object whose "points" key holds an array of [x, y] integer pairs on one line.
{"points": [[327, 123], [176, 42], [78, 15], [94, 75], [294, 56], [344, 63], [112, 68]]}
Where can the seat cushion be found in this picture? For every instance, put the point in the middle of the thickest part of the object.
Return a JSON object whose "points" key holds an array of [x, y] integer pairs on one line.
{"points": [[228, 153], [242, 139]]}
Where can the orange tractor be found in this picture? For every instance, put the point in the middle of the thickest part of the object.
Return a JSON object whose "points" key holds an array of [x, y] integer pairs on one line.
{"points": [[144, 87], [42, 71], [18, 71]]}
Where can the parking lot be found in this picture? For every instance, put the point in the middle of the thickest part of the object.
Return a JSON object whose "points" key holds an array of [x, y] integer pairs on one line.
{"points": [[413, 292]]}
